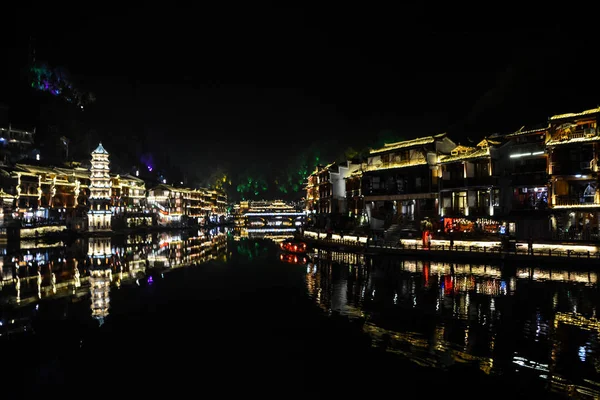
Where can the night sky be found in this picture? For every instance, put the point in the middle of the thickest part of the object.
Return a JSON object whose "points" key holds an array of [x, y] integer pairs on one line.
{"points": [[239, 86]]}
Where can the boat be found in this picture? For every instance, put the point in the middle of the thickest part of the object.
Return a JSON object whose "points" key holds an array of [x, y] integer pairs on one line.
{"points": [[293, 246]]}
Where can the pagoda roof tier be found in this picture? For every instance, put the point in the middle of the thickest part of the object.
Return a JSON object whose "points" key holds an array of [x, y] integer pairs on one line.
{"points": [[100, 150]]}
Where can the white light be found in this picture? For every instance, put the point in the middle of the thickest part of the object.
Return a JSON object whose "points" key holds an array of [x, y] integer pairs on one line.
{"points": [[37, 157], [164, 181], [578, 176], [537, 153], [137, 173], [181, 183], [255, 230], [282, 214], [520, 155]]}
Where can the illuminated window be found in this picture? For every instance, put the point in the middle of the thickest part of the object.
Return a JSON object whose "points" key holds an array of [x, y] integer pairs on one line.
{"points": [[496, 198]]}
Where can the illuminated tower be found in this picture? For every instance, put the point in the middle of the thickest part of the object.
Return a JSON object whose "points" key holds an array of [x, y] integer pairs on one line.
{"points": [[100, 254], [99, 215]]}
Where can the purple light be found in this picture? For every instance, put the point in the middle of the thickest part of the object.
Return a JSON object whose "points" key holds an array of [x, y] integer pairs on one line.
{"points": [[150, 280], [150, 168]]}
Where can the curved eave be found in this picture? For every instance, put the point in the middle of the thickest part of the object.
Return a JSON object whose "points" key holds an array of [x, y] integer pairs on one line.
{"points": [[553, 143], [398, 166], [478, 155]]}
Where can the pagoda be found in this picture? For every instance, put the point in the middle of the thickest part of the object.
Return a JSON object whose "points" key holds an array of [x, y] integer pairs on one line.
{"points": [[99, 214]]}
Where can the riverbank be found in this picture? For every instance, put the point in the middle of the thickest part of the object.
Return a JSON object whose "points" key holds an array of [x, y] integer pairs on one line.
{"points": [[488, 251], [61, 232]]}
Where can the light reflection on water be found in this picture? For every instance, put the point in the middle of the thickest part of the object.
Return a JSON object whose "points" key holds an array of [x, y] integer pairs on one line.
{"points": [[89, 268], [536, 321]]}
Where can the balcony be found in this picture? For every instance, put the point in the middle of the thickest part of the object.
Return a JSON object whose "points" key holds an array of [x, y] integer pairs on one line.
{"points": [[574, 202], [473, 211], [573, 168], [469, 182], [580, 134], [574, 137]]}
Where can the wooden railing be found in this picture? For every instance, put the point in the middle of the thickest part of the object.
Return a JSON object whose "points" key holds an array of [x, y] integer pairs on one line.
{"points": [[573, 201]]}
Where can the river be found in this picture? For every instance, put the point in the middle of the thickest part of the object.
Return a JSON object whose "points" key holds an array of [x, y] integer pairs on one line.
{"points": [[219, 313]]}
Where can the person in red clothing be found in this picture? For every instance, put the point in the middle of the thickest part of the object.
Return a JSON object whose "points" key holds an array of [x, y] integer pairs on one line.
{"points": [[426, 239]]}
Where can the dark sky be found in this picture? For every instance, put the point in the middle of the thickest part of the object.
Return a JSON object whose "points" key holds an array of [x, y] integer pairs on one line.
{"points": [[250, 86]]}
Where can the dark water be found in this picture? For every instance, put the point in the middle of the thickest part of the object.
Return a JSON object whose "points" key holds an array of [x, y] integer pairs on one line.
{"points": [[215, 314], [525, 324]]}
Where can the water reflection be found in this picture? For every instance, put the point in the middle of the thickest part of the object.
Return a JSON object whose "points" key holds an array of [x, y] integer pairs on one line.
{"points": [[255, 244], [533, 321], [100, 254], [274, 234], [100, 279], [90, 267]]}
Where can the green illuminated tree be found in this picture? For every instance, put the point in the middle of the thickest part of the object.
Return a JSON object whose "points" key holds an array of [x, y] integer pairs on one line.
{"points": [[251, 185]]}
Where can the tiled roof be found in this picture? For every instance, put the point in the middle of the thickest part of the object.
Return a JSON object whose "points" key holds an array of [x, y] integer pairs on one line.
{"points": [[521, 132], [460, 149], [395, 165], [405, 143], [488, 143], [320, 169], [183, 189], [573, 115], [36, 169], [132, 178], [100, 150], [328, 166], [5, 195], [476, 153], [78, 172]]}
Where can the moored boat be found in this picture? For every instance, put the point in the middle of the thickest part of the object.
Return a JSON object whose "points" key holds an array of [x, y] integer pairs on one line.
{"points": [[293, 246]]}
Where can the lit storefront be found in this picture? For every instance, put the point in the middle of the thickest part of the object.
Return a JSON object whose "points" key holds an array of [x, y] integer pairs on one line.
{"points": [[530, 198], [472, 225]]}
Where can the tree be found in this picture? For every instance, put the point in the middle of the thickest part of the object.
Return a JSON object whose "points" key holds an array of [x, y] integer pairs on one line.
{"points": [[251, 184]]}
